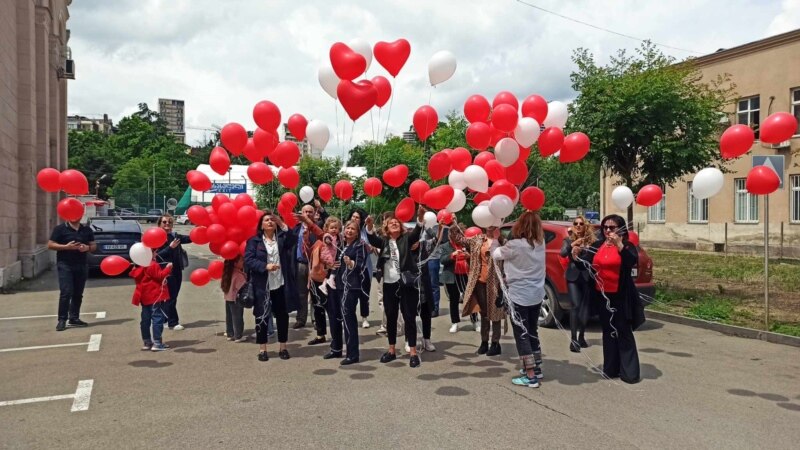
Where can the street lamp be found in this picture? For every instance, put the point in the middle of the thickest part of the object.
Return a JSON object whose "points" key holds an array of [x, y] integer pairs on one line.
{"points": [[97, 185]]}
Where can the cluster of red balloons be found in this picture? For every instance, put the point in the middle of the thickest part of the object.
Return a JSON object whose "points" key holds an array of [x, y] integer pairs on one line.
{"points": [[738, 139], [72, 182]]}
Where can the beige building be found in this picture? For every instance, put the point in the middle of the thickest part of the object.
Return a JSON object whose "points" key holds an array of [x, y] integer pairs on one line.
{"points": [[767, 78], [172, 111], [81, 123], [33, 133], [305, 147]]}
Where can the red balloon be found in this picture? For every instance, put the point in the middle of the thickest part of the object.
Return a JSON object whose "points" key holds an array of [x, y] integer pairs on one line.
{"points": [[198, 180], [494, 170], [199, 235], [70, 209], [290, 199], [215, 247], [460, 158], [229, 250], [219, 160], [114, 265], [289, 177], [736, 141], [649, 195], [496, 135], [259, 173], [297, 126], [346, 63], [384, 89], [417, 190], [233, 137], [215, 269], [505, 117], [286, 154], [227, 213], [480, 196], [343, 190], [778, 127], [265, 141], [392, 55], [478, 135], [482, 158], [439, 166], [236, 234], [218, 200], [524, 153], [425, 121], [198, 215], [477, 109], [444, 216], [154, 237], [439, 197], [199, 277], [373, 187], [242, 200], [550, 141], [633, 237], [267, 115], [252, 152], [73, 182], [472, 232], [242, 247], [325, 192], [505, 98], [49, 179], [405, 209], [761, 180], [532, 198], [395, 176], [535, 106], [575, 147], [517, 173], [246, 216], [216, 233], [356, 99], [504, 187]]}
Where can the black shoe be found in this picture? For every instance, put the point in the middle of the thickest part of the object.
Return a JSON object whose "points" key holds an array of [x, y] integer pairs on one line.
{"points": [[349, 360], [298, 325], [414, 361], [284, 354], [625, 380], [77, 323], [331, 355], [494, 349], [582, 342], [483, 348], [388, 357], [317, 340], [62, 325], [262, 356], [435, 314], [574, 347]]}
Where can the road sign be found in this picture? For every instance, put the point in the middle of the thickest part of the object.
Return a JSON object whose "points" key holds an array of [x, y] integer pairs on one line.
{"points": [[228, 188], [774, 162]]}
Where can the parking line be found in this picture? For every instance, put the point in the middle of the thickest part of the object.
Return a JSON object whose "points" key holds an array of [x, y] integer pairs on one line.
{"points": [[81, 397], [97, 315], [92, 346]]}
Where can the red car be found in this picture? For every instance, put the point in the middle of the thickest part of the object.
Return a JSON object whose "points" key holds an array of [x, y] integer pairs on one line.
{"points": [[556, 301]]}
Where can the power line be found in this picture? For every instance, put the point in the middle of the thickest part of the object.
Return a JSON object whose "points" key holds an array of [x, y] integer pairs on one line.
{"points": [[606, 29]]}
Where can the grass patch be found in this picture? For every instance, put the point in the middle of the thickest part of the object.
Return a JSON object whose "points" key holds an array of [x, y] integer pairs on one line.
{"points": [[791, 329], [712, 309]]}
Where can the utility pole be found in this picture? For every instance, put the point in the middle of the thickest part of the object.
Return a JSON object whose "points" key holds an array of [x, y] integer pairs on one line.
{"points": [[154, 186]]}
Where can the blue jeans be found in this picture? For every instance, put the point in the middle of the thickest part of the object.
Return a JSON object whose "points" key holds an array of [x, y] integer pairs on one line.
{"points": [[152, 314], [433, 270], [71, 281]]}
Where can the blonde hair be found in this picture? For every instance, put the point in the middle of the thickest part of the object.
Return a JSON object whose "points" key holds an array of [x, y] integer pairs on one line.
{"points": [[330, 221], [588, 233], [385, 226], [529, 227]]}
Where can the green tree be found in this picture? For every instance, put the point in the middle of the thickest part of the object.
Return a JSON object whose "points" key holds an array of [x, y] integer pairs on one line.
{"points": [[650, 119]]}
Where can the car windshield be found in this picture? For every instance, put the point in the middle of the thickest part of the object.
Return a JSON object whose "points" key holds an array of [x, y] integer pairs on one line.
{"points": [[128, 226]]}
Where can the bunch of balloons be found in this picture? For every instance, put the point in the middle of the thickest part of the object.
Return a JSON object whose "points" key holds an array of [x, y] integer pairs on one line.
{"points": [[72, 182]]}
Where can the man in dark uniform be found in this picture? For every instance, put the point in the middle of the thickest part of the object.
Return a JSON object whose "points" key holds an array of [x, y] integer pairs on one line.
{"points": [[71, 241]]}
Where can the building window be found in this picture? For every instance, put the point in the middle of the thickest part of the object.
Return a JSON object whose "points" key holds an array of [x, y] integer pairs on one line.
{"points": [[796, 108], [658, 213], [745, 203], [794, 200], [698, 208], [747, 113]]}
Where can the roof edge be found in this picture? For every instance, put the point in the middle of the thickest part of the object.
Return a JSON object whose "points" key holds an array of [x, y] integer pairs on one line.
{"points": [[750, 47]]}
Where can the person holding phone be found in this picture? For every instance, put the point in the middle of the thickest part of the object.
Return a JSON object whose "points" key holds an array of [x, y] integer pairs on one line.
{"points": [[71, 241], [172, 253]]}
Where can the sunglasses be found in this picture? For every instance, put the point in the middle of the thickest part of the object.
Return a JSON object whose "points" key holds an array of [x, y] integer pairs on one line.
{"points": [[610, 228], [577, 224], [166, 222]]}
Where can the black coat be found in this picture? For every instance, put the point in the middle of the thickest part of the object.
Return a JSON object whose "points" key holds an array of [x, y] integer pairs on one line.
{"points": [[255, 260], [632, 306], [576, 270], [407, 261], [166, 255], [352, 278]]}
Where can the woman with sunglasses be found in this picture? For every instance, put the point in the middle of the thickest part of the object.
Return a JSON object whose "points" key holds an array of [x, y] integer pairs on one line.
{"points": [[612, 258], [172, 253], [578, 281]]}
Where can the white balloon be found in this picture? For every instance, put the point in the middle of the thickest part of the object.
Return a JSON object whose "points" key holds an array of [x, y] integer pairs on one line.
{"points": [[318, 133], [484, 203], [556, 115], [527, 131], [482, 217], [306, 194], [429, 219], [622, 196], [458, 202], [328, 80], [501, 206], [363, 48], [141, 255], [707, 183], [441, 67], [456, 180], [506, 151], [497, 223], [476, 178]]}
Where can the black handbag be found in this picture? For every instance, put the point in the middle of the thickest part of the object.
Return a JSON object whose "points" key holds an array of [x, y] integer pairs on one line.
{"points": [[246, 296], [408, 279]]}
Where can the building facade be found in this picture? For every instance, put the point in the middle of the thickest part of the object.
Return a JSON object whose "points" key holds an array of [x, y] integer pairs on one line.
{"points": [[172, 111], [767, 78], [33, 128], [82, 123], [305, 147]]}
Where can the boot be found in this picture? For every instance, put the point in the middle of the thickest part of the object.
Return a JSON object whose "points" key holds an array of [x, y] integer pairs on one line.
{"points": [[494, 349]]}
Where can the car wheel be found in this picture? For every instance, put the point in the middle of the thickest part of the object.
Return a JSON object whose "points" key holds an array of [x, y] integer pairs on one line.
{"points": [[550, 310]]}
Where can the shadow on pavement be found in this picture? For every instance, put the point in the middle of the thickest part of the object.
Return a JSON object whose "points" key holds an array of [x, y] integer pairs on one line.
{"points": [[150, 364]]}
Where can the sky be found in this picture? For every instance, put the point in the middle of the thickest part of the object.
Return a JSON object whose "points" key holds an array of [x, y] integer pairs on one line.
{"points": [[221, 58]]}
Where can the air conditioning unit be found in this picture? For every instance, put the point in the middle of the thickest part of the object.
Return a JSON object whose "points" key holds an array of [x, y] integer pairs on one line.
{"points": [[785, 144]]}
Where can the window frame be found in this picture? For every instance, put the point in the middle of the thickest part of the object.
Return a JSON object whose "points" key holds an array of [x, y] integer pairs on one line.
{"points": [[795, 107], [749, 206], [794, 194], [701, 206], [662, 208], [749, 111]]}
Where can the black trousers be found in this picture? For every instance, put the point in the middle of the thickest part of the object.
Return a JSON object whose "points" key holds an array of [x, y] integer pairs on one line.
{"points": [[319, 302], [171, 306], [71, 282], [279, 310], [579, 296], [363, 298], [397, 299], [527, 338], [620, 358], [454, 292]]}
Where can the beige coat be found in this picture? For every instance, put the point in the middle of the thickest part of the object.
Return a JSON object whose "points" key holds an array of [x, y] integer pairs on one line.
{"points": [[471, 300]]}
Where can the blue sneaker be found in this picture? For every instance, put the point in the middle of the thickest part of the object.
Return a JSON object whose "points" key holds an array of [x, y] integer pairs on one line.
{"points": [[537, 372], [525, 381], [159, 347]]}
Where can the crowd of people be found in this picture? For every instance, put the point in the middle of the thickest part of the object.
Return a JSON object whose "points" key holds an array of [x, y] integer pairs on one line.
{"points": [[324, 268]]}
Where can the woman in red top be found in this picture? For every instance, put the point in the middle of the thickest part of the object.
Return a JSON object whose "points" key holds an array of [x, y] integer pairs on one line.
{"points": [[455, 268], [613, 257]]}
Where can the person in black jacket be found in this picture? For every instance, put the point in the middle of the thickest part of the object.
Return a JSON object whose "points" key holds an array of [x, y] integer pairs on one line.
{"points": [[612, 258], [579, 281], [397, 262], [172, 253]]}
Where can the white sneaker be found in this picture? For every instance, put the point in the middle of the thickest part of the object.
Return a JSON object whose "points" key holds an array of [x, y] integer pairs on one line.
{"points": [[454, 328], [178, 327], [478, 327], [365, 324], [253, 336], [428, 346], [408, 349]]}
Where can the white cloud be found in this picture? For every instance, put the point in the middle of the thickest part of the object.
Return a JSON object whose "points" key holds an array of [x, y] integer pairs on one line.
{"points": [[787, 20]]}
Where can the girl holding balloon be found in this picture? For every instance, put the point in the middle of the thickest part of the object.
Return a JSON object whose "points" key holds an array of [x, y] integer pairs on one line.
{"points": [[151, 293]]}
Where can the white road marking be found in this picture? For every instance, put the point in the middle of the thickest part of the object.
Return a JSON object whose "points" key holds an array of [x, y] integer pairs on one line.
{"points": [[94, 343], [92, 346], [100, 315], [81, 397], [97, 315]]}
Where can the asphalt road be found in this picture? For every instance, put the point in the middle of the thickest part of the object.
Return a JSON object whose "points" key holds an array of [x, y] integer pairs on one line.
{"points": [[701, 389]]}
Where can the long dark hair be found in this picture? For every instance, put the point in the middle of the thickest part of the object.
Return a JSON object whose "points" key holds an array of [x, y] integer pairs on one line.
{"points": [[363, 217], [227, 273], [622, 229], [259, 231]]}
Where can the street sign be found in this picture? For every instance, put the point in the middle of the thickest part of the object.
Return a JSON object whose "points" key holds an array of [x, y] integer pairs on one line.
{"points": [[774, 162], [228, 188]]}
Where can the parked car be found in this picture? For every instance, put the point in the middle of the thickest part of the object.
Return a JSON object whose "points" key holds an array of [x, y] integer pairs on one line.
{"points": [[113, 236], [154, 214], [182, 219]]}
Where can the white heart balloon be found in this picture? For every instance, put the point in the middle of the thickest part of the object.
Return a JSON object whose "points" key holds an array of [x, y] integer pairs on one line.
{"points": [[306, 194], [441, 67], [458, 202], [328, 80], [456, 180], [363, 48], [527, 131], [506, 151], [622, 196], [707, 183], [318, 134], [476, 178], [556, 115]]}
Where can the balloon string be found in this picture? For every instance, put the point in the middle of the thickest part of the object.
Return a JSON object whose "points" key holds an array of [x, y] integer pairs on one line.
{"points": [[336, 111], [352, 129], [389, 114], [372, 125]]}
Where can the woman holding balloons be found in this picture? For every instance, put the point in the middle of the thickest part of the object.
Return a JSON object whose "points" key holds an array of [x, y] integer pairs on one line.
{"points": [[172, 252], [578, 281]]}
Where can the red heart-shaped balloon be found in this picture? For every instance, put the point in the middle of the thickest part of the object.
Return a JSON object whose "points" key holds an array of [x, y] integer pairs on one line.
{"points": [[346, 63], [392, 55], [356, 98], [384, 90]]}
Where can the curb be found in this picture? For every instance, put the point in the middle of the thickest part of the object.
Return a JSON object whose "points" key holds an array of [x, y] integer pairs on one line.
{"points": [[730, 330]]}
